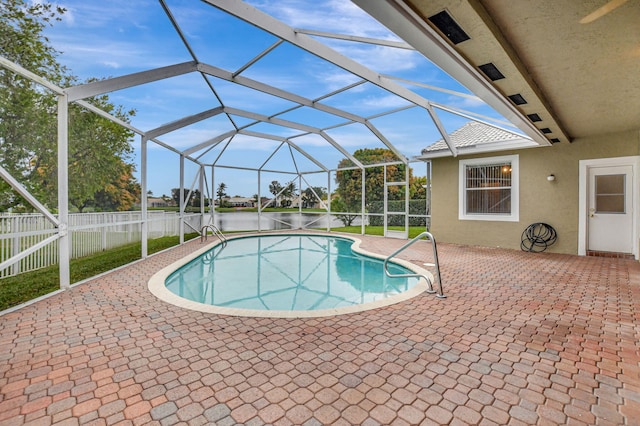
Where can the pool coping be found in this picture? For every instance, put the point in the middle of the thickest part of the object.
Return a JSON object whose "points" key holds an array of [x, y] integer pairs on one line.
{"points": [[157, 287]]}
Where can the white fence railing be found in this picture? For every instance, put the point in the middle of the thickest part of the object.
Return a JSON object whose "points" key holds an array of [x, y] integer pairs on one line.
{"points": [[90, 233]]}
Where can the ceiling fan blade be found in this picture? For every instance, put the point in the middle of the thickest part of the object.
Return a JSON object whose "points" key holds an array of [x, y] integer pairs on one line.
{"points": [[601, 11]]}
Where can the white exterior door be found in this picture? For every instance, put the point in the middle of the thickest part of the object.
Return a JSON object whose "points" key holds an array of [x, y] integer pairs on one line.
{"points": [[610, 209]]}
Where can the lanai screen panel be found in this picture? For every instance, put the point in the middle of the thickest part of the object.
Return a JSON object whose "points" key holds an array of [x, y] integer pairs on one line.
{"points": [[280, 73]]}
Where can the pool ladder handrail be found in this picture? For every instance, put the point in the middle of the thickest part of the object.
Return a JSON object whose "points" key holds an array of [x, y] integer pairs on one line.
{"points": [[435, 257], [215, 231]]}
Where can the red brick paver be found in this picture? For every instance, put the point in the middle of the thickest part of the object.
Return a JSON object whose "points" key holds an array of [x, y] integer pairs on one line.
{"points": [[521, 339]]}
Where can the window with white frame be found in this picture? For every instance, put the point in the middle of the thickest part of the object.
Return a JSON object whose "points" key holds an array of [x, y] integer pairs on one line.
{"points": [[489, 189]]}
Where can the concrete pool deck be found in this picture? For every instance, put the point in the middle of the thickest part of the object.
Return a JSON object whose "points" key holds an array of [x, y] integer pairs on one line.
{"points": [[522, 338]]}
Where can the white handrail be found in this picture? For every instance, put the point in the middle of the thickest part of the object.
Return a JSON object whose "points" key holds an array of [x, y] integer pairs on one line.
{"points": [[435, 257], [215, 231]]}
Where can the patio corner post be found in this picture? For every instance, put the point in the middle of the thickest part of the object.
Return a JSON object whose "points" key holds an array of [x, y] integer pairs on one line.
{"points": [[428, 195], [362, 200], [64, 242], [407, 196], [259, 204], [300, 200], [143, 198], [202, 198], [385, 201], [181, 213], [328, 200], [212, 200]]}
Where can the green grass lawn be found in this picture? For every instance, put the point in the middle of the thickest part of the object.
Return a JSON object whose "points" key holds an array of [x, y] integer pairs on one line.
{"points": [[241, 209], [27, 286], [414, 231], [267, 210]]}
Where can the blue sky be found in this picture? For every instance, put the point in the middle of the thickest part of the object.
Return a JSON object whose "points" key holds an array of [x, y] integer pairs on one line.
{"points": [[117, 37]]}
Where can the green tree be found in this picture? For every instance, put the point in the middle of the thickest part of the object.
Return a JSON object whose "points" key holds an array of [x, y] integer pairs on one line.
{"points": [[121, 194], [197, 198], [97, 148], [275, 187], [290, 191], [28, 125], [349, 189], [175, 196], [27, 112], [221, 192], [21, 26], [309, 198], [417, 188], [339, 206], [350, 181]]}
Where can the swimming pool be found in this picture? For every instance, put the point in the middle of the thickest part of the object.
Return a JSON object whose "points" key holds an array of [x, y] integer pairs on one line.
{"points": [[285, 275]]}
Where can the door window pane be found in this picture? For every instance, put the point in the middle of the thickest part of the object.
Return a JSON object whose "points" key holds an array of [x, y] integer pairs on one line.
{"points": [[610, 193]]}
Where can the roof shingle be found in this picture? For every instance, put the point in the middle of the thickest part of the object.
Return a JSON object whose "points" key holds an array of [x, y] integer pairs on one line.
{"points": [[474, 133]]}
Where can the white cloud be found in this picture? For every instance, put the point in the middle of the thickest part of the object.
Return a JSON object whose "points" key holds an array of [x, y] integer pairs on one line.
{"points": [[353, 137], [387, 102], [464, 102], [336, 16], [97, 14], [382, 59], [333, 81], [111, 64]]}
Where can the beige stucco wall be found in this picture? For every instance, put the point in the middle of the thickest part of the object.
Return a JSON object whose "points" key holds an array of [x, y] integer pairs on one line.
{"points": [[555, 203]]}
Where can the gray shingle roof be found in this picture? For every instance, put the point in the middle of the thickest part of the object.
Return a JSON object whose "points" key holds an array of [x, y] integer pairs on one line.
{"points": [[472, 134]]}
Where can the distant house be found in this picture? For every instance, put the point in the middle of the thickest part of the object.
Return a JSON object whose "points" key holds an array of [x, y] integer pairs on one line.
{"points": [[158, 202], [240, 201], [265, 202]]}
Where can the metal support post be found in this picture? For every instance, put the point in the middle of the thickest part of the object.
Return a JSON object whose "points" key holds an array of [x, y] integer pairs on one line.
{"points": [[143, 197], [300, 200], [428, 166], [259, 204], [212, 202], [64, 242], [202, 199], [182, 206], [362, 199], [385, 201], [328, 200], [407, 189]]}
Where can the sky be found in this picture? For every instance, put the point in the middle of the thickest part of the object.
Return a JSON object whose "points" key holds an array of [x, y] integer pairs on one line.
{"points": [[104, 39]]}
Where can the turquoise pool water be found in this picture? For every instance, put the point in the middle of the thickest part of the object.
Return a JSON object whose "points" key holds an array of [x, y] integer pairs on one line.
{"points": [[286, 273]]}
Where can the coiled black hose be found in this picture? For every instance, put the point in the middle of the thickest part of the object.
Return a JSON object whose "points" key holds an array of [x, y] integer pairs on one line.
{"points": [[537, 237]]}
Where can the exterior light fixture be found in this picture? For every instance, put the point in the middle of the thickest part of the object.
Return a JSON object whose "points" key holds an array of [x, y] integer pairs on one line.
{"points": [[551, 178]]}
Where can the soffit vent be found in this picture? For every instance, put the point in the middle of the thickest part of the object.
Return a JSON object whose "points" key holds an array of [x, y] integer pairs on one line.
{"points": [[546, 130], [449, 27], [554, 140], [534, 117], [491, 71], [517, 99]]}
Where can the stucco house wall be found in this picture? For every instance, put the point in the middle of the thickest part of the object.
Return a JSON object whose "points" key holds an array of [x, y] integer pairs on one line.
{"points": [[555, 203]]}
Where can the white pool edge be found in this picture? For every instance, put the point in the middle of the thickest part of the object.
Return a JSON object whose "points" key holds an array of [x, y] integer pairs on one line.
{"points": [[158, 288]]}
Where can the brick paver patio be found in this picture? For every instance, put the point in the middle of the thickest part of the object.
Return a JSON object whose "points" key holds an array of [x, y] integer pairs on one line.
{"points": [[521, 339]]}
